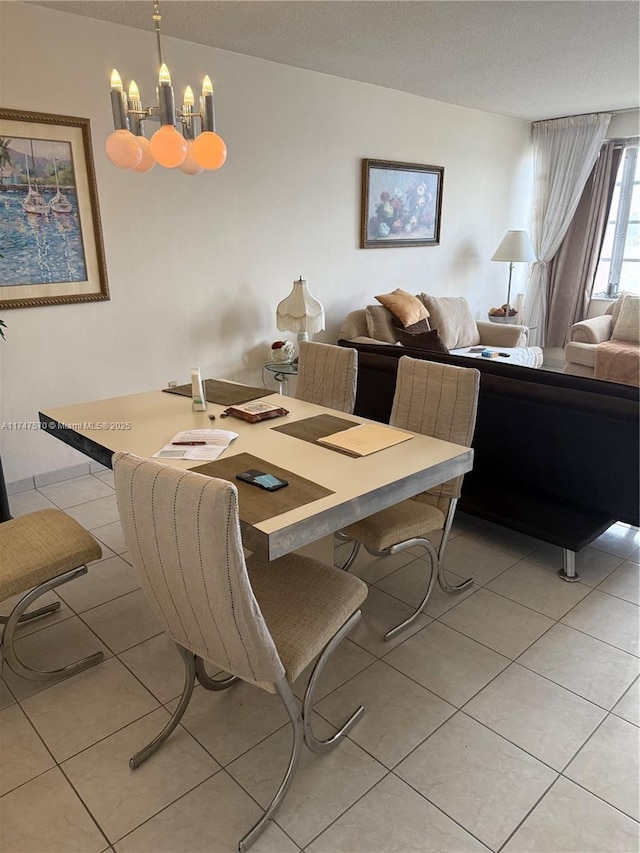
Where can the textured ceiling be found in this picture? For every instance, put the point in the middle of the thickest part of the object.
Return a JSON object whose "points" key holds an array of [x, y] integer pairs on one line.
{"points": [[530, 60]]}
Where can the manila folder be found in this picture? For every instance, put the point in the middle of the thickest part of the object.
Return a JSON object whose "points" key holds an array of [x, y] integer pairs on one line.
{"points": [[365, 439]]}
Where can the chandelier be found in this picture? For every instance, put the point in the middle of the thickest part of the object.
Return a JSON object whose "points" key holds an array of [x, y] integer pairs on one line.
{"points": [[196, 148]]}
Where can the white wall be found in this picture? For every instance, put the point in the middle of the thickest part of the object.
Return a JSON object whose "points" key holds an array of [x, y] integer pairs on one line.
{"points": [[197, 264]]}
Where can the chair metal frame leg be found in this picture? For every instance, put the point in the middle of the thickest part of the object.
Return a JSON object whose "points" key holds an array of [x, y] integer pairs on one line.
{"points": [[209, 683], [452, 590], [302, 731], [310, 739], [343, 537], [293, 710], [190, 676], [34, 614], [17, 616], [433, 576], [352, 556], [437, 568]]}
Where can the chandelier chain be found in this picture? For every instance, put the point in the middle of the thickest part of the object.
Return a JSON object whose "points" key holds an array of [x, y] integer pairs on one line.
{"points": [[157, 17]]}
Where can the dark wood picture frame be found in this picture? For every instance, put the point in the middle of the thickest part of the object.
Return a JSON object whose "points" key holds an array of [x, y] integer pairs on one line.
{"points": [[401, 204], [52, 247]]}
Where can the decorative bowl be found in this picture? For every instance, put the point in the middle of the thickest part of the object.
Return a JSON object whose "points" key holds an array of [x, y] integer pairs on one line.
{"points": [[497, 319]]}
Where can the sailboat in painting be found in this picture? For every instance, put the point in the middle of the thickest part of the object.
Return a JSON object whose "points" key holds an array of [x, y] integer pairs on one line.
{"points": [[59, 203], [33, 201]]}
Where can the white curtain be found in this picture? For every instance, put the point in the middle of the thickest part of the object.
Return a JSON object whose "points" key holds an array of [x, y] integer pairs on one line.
{"points": [[564, 153]]}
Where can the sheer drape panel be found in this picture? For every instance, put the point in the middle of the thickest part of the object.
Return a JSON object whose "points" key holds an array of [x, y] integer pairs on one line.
{"points": [[564, 153], [571, 272]]}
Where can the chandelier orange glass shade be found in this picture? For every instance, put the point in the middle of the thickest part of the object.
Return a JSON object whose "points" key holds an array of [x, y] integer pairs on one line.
{"points": [[192, 149]]}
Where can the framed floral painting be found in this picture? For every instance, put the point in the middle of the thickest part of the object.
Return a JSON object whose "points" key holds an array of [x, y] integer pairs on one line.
{"points": [[401, 204], [51, 250]]}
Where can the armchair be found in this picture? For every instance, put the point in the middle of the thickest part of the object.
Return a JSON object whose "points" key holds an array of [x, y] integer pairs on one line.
{"points": [[583, 338], [607, 347]]}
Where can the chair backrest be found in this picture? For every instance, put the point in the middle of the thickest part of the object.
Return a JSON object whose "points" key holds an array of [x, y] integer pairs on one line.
{"points": [[183, 533], [438, 400], [327, 375]]}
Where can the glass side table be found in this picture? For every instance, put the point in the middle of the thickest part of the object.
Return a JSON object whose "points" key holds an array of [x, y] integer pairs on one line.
{"points": [[282, 371]]}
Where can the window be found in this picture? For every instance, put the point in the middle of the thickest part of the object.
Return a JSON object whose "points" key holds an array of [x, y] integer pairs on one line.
{"points": [[619, 264]]}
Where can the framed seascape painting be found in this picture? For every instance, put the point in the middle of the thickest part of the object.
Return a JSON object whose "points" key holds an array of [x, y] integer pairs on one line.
{"points": [[401, 204], [50, 233]]}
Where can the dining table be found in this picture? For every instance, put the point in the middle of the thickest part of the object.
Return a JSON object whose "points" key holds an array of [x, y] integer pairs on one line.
{"points": [[328, 489]]}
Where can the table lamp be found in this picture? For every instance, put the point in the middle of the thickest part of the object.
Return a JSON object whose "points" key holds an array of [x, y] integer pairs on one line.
{"points": [[514, 248], [300, 312]]}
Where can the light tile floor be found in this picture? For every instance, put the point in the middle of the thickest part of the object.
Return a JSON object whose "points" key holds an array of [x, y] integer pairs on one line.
{"points": [[507, 719]]}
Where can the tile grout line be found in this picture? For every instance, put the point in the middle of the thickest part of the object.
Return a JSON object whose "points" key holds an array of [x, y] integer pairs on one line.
{"points": [[557, 621], [168, 805], [88, 810]]}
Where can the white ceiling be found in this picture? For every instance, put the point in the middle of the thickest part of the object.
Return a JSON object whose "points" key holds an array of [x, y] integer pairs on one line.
{"points": [[531, 59]]}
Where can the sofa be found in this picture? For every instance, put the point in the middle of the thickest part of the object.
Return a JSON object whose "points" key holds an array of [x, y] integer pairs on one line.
{"points": [[556, 456], [451, 316], [607, 346]]}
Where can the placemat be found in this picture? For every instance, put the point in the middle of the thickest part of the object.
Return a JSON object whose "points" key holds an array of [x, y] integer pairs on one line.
{"points": [[319, 426], [224, 393], [257, 504]]}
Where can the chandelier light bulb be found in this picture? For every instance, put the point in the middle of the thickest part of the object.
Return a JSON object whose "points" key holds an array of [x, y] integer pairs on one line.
{"points": [[134, 92], [147, 162], [209, 150], [189, 100], [168, 147], [164, 78], [207, 85], [116, 81], [123, 149], [190, 166]]}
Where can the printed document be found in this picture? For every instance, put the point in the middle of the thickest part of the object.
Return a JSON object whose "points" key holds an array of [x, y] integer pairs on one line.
{"points": [[197, 444]]}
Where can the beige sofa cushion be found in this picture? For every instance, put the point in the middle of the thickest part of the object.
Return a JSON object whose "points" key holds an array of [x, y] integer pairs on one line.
{"points": [[614, 309], [407, 308], [380, 324], [354, 325], [452, 317], [627, 327], [576, 352]]}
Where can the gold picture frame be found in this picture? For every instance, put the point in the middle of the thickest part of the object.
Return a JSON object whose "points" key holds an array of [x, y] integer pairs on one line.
{"points": [[51, 242]]}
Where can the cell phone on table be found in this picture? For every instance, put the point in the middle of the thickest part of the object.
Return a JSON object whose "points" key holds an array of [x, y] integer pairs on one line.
{"points": [[262, 480]]}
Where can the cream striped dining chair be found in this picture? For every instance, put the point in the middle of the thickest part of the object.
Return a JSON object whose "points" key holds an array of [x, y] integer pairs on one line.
{"points": [[440, 401], [261, 622], [327, 375]]}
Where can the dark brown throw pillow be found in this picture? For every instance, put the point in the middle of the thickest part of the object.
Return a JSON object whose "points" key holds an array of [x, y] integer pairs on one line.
{"points": [[429, 341], [415, 328]]}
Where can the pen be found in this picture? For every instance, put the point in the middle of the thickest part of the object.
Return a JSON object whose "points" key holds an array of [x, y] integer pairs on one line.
{"points": [[190, 443]]}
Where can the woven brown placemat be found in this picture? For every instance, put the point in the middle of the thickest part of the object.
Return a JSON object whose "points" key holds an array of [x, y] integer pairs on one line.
{"points": [[257, 504], [319, 426], [224, 393]]}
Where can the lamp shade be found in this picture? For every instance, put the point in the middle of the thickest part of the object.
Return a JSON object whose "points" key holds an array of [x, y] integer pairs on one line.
{"points": [[515, 247], [300, 312]]}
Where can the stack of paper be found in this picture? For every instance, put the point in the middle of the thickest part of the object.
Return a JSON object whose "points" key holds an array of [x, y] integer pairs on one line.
{"points": [[205, 444]]}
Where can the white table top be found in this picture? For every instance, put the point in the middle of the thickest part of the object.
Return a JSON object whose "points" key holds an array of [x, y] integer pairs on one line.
{"points": [[361, 486]]}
